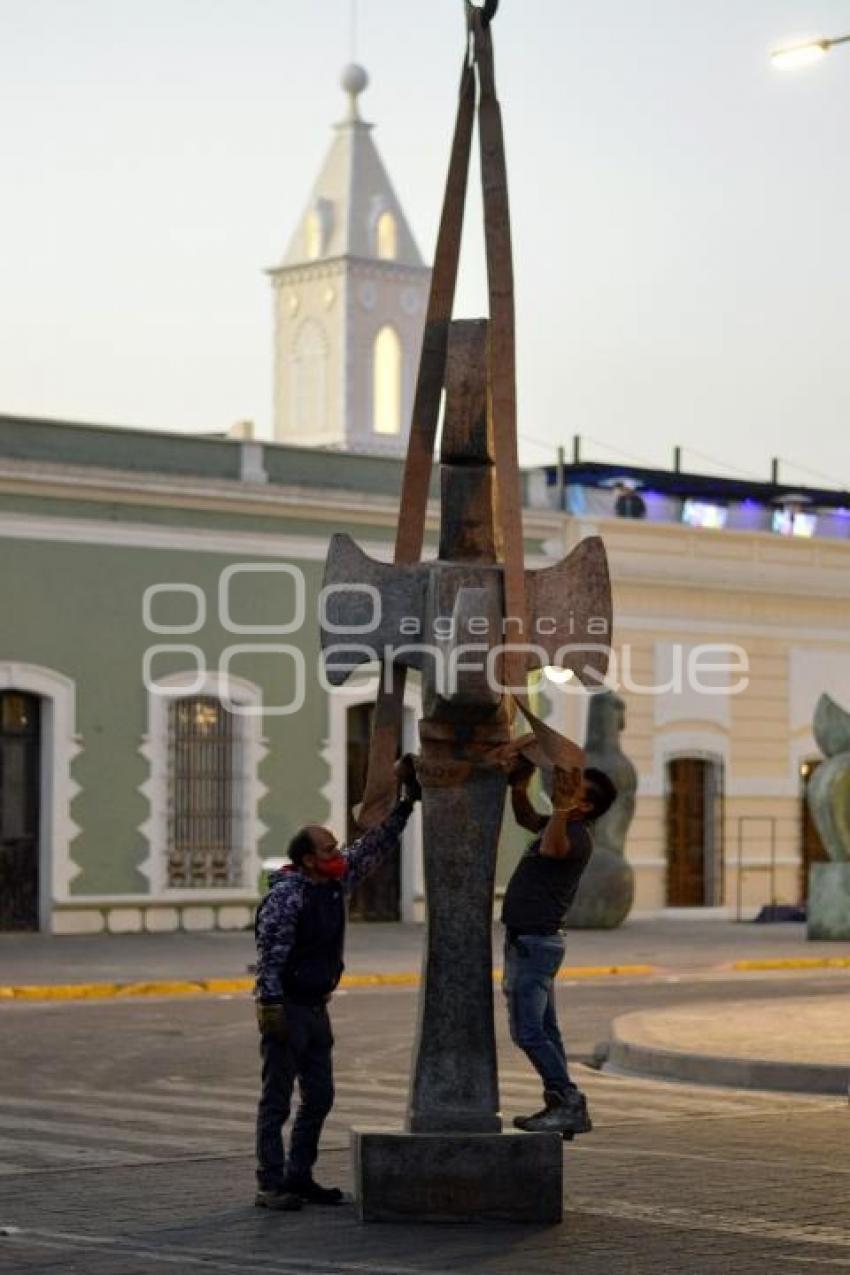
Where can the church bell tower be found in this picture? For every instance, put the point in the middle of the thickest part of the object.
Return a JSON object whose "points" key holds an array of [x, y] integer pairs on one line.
{"points": [[350, 298]]}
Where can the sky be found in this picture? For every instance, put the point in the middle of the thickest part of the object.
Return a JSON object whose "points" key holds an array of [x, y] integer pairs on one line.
{"points": [[681, 210]]}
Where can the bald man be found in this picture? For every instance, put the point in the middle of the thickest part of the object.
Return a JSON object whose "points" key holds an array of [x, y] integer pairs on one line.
{"points": [[300, 931]]}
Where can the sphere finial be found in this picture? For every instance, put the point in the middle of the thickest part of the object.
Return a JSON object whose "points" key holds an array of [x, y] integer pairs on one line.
{"points": [[354, 81]]}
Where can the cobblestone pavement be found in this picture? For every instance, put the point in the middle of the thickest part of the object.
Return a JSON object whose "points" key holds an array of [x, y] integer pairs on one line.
{"points": [[125, 1137]]}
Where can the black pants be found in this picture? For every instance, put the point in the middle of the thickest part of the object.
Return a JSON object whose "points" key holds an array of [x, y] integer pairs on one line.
{"points": [[307, 1058]]}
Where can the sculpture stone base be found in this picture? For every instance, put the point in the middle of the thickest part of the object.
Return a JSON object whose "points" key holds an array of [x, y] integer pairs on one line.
{"points": [[829, 901], [458, 1177]]}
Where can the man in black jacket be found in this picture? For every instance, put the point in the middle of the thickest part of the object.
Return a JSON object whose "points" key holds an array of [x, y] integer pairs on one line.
{"points": [[300, 931], [537, 899]]}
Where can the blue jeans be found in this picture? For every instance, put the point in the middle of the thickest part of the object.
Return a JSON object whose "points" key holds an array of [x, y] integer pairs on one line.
{"points": [[307, 1058], [531, 964]]}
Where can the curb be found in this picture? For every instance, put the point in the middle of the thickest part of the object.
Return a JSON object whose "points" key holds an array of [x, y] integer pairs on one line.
{"points": [[633, 1058], [226, 986]]}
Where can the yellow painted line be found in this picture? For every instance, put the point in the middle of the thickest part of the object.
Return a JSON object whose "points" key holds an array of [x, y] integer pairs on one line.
{"points": [[795, 963], [103, 991], [229, 986], [380, 980], [225, 986], [601, 971]]}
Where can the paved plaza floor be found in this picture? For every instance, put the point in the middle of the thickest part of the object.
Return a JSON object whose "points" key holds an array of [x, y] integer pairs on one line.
{"points": [[126, 1131]]}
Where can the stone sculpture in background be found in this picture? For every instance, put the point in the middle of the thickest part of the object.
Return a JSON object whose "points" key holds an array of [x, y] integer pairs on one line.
{"points": [[829, 802], [606, 891]]}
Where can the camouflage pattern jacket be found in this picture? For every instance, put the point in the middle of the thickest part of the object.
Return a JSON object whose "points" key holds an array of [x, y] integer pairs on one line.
{"points": [[300, 924]]}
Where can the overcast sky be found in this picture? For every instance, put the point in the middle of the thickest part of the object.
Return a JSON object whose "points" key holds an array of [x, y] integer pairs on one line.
{"points": [[681, 209]]}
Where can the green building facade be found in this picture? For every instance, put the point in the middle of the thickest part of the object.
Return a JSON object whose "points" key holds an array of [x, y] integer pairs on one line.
{"points": [[164, 729]]}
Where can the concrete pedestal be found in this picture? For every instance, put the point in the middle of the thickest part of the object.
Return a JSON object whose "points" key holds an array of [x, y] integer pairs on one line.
{"points": [[829, 901], [458, 1177]]}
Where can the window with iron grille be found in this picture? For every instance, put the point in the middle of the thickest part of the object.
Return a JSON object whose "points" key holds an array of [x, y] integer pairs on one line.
{"points": [[203, 823]]}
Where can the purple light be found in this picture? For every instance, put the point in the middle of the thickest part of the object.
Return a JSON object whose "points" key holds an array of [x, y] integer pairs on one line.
{"points": [[749, 515], [657, 506]]}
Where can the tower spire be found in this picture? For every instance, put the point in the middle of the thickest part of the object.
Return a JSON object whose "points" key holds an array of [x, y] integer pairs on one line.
{"points": [[354, 81], [350, 300]]}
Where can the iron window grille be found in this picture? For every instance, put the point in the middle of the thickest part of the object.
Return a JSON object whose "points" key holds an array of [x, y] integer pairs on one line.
{"points": [[203, 822]]}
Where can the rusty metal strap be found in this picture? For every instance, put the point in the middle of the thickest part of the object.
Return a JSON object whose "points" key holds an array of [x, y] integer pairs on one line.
{"points": [[557, 749], [410, 534], [387, 729]]}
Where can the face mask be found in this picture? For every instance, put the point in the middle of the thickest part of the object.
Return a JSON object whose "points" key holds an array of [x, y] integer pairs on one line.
{"points": [[334, 869]]}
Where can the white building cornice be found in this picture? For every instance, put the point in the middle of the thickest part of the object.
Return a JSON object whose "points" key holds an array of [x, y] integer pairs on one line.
{"points": [[333, 267], [323, 505]]}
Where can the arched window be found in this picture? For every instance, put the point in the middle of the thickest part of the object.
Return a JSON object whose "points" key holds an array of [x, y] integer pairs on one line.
{"points": [[387, 237], [310, 379], [387, 382], [313, 235], [202, 800]]}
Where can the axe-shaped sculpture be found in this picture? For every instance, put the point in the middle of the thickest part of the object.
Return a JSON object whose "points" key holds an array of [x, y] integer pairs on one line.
{"points": [[472, 624]]}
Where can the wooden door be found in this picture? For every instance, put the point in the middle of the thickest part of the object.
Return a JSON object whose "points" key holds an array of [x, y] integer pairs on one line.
{"points": [[694, 833], [379, 897], [812, 848], [20, 726]]}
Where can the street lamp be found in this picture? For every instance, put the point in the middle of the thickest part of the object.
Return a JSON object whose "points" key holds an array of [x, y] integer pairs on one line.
{"points": [[802, 54]]}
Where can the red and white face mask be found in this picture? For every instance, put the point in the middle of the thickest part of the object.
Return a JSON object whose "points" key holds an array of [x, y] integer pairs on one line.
{"points": [[333, 868]]}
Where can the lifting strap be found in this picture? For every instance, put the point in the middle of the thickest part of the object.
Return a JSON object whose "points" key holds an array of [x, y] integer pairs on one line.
{"points": [[551, 747]]}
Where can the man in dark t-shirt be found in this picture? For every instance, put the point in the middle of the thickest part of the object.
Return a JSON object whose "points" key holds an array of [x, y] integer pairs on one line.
{"points": [[535, 906]]}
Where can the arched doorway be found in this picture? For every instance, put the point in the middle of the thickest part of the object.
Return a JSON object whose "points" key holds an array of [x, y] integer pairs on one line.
{"points": [[20, 810], [812, 849], [694, 832], [379, 897]]}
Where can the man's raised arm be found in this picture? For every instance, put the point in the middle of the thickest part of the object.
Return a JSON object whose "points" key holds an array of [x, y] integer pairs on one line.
{"points": [[369, 851]]}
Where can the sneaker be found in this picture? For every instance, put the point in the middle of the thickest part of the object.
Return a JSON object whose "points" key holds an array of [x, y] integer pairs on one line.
{"points": [[564, 1113], [278, 1198], [305, 1189]]}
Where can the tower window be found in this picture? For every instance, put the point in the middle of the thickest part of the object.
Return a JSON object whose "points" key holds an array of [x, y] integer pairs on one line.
{"points": [[387, 237], [313, 236], [387, 382]]}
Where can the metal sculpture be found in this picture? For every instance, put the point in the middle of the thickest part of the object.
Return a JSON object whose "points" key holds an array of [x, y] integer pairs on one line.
{"points": [[472, 623]]}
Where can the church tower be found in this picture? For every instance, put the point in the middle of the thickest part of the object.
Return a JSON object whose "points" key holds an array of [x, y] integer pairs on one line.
{"points": [[350, 298]]}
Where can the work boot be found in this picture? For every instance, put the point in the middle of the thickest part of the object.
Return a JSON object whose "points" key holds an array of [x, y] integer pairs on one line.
{"points": [[564, 1113], [304, 1188], [278, 1198]]}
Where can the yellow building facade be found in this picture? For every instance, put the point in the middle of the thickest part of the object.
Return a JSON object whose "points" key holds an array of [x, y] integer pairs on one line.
{"points": [[720, 819]]}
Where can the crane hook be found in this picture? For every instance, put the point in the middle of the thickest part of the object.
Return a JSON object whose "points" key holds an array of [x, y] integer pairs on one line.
{"points": [[488, 10]]}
